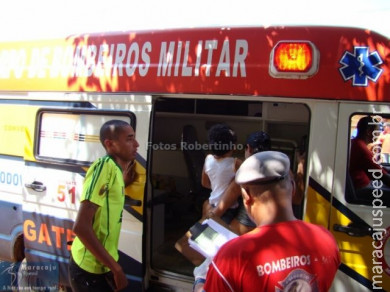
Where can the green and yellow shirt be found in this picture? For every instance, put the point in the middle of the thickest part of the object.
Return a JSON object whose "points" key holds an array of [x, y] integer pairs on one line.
{"points": [[103, 186]]}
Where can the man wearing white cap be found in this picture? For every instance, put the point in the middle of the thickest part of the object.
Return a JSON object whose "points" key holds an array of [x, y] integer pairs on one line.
{"points": [[281, 253]]}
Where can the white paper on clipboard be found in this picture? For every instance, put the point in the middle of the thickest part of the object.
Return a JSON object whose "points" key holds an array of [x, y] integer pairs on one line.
{"points": [[209, 236]]}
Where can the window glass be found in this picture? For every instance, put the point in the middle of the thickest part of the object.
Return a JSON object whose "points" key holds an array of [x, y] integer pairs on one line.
{"points": [[368, 167], [72, 137]]}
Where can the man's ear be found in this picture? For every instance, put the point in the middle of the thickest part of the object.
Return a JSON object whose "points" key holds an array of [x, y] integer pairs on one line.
{"points": [[294, 186], [246, 197], [107, 143]]}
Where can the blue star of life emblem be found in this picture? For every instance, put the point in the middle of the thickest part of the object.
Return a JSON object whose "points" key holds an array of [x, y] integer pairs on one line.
{"points": [[361, 66]]}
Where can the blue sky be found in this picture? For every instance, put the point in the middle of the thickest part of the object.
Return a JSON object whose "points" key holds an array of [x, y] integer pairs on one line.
{"points": [[21, 19]]}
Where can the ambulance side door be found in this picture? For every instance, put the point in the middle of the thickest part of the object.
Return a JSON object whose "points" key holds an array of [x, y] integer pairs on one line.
{"points": [[353, 222]]}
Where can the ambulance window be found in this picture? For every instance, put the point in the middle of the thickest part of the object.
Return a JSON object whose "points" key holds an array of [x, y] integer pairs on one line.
{"points": [[71, 137], [367, 176]]}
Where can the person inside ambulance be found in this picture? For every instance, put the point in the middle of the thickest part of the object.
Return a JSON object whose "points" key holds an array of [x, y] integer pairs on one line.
{"points": [[257, 142], [370, 179]]}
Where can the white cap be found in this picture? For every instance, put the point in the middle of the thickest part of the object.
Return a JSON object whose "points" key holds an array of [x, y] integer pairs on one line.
{"points": [[263, 167]]}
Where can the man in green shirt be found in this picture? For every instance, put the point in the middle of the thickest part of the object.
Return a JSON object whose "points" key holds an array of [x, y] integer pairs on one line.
{"points": [[93, 264]]}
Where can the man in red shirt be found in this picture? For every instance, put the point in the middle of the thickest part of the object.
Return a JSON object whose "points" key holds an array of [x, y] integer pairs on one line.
{"points": [[281, 253], [367, 175]]}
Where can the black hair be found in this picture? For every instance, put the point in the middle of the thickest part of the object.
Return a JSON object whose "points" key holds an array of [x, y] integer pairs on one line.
{"points": [[111, 129], [259, 141], [222, 139], [364, 124]]}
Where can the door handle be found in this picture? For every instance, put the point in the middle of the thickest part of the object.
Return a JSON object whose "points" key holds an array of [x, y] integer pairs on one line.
{"points": [[353, 229], [36, 186]]}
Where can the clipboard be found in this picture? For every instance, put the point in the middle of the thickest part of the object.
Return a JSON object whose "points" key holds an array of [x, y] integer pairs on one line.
{"points": [[204, 239]]}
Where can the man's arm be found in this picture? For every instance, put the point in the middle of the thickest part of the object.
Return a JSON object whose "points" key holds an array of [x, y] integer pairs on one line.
{"points": [[198, 287], [129, 174], [83, 229], [371, 162]]}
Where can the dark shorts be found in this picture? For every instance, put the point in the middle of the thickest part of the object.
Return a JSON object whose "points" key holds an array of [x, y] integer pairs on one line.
{"points": [[229, 215], [83, 281], [242, 215]]}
